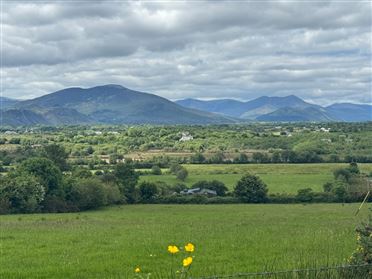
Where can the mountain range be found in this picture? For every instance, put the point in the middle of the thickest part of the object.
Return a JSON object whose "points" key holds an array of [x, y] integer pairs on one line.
{"points": [[115, 104], [282, 109], [107, 104]]}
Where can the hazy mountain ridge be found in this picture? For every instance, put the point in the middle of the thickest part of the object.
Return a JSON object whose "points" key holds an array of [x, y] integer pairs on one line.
{"points": [[289, 108], [6, 103], [115, 104]]}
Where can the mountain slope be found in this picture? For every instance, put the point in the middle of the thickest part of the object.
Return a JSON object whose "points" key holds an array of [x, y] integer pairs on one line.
{"points": [[6, 103], [224, 106], [350, 112], [19, 117], [247, 110], [297, 115], [114, 104]]}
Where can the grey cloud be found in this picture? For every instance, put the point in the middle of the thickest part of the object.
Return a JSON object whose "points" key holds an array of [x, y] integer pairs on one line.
{"points": [[317, 50]]}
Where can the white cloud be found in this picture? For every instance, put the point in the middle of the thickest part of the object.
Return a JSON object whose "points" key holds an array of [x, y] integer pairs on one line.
{"points": [[320, 51]]}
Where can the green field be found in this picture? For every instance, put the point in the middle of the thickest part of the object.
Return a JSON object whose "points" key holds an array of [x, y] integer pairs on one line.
{"points": [[280, 178], [111, 242]]}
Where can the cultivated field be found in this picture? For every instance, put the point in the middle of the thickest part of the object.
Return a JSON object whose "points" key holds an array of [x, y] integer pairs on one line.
{"points": [[111, 242], [280, 178]]}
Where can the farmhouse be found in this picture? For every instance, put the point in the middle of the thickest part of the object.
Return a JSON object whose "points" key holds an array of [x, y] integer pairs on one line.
{"points": [[186, 136]]}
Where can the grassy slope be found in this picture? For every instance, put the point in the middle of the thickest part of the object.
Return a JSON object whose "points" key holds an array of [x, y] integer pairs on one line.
{"points": [[279, 177], [228, 238]]}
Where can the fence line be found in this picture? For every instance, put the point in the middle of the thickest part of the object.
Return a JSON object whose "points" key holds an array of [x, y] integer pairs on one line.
{"points": [[281, 272]]}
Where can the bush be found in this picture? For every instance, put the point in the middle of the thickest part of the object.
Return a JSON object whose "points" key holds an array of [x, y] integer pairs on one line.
{"points": [[88, 193], [363, 253], [148, 191], [305, 195], [156, 170], [174, 168], [327, 187], [251, 189], [182, 174], [112, 194]]}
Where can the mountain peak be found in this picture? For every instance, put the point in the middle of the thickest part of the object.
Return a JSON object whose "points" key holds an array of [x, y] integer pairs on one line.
{"points": [[116, 86]]}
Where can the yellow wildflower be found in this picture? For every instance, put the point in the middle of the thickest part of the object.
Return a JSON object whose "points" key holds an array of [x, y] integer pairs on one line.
{"points": [[187, 261], [137, 270], [358, 237], [173, 249], [189, 247]]}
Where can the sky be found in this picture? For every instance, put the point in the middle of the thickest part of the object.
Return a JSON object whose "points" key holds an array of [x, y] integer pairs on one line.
{"points": [[317, 50]]}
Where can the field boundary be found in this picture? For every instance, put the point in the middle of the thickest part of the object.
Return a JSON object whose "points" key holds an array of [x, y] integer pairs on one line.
{"points": [[283, 272]]}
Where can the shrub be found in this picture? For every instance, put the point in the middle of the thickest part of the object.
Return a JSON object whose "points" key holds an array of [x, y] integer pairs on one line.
{"points": [[305, 195], [327, 187], [174, 168], [182, 174], [363, 253], [156, 170], [88, 193], [251, 189], [148, 191], [112, 194]]}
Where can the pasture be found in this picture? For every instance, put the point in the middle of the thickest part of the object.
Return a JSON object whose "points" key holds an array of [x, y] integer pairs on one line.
{"points": [[280, 178], [111, 242]]}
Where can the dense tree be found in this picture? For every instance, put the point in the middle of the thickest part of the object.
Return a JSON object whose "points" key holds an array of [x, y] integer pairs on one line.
{"points": [[127, 179], [48, 174], [88, 193], [58, 155], [23, 192], [148, 191], [251, 188]]}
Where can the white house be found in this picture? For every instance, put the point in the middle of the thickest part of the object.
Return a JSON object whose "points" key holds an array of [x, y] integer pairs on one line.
{"points": [[186, 136]]}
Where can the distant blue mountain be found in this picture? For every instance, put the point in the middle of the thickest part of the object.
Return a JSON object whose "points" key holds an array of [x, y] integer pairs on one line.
{"points": [[350, 112], [289, 108], [297, 115], [7, 102]]}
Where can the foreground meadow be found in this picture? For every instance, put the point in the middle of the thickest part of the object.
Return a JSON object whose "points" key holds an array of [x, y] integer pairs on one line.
{"points": [[111, 242], [280, 178]]}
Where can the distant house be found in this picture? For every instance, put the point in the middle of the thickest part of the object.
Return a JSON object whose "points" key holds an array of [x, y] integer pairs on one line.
{"points": [[10, 133], [325, 130], [186, 136], [199, 191]]}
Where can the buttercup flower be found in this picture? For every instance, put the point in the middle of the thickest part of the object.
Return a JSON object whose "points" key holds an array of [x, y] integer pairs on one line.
{"points": [[137, 270], [173, 249], [189, 247], [186, 262]]}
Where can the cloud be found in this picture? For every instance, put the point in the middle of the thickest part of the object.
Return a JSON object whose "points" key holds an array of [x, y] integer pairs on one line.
{"points": [[320, 51]]}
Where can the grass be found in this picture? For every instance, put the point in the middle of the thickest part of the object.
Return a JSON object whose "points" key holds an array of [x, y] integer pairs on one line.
{"points": [[280, 178], [110, 243]]}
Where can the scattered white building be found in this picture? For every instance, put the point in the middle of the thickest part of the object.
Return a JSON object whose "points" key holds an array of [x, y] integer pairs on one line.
{"points": [[186, 136], [325, 130]]}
